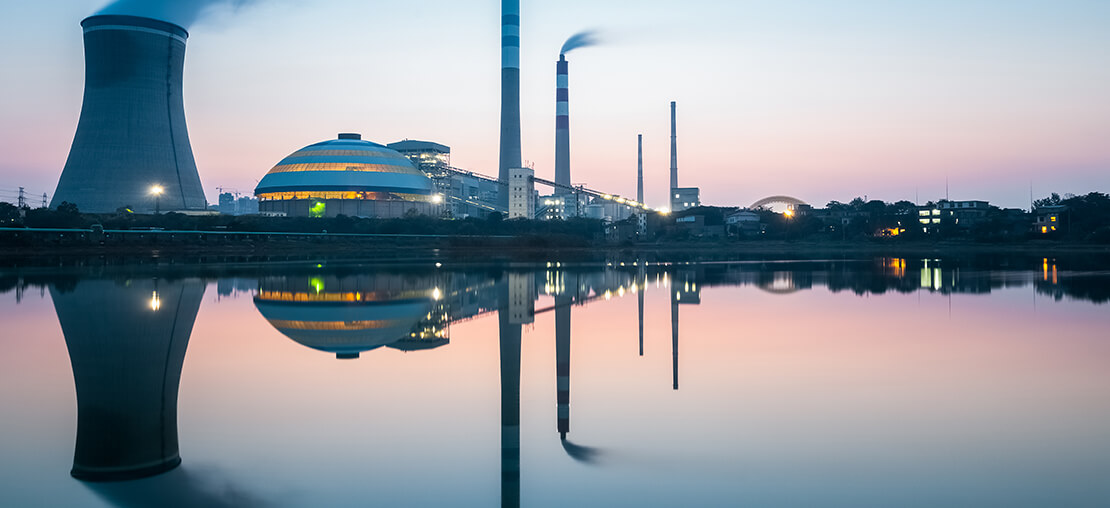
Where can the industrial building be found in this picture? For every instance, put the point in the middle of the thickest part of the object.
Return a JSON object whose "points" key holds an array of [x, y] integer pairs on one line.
{"points": [[427, 156], [464, 194], [347, 176], [131, 148], [522, 193]]}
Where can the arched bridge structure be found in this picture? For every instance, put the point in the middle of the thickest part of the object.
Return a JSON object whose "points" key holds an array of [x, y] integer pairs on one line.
{"points": [[790, 202]]}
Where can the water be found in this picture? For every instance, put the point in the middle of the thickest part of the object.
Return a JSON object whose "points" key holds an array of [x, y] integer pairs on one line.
{"points": [[886, 382]]}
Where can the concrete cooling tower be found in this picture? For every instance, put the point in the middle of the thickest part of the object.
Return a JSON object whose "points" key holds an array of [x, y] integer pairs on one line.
{"points": [[131, 137]]}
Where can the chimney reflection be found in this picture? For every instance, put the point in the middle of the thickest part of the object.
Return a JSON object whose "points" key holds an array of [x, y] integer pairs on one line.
{"points": [[563, 303], [126, 345], [509, 328], [641, 281], [675, 297]]}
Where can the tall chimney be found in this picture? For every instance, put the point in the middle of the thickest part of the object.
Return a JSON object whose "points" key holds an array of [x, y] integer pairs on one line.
{"points": [[674, 157], [562, 125], [510, 96], [131, 136], [640, 168]]}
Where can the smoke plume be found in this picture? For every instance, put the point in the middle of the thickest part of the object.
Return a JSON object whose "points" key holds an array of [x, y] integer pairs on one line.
{"points": [[581, 40], [179, 12], [585, 454]]}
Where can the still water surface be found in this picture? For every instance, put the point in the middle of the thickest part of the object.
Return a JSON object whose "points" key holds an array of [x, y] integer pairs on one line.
{"points": [[886, 382]]}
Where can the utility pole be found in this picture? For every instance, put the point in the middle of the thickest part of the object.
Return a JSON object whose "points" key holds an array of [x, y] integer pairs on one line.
{"points": [[44, 201], [22, 199]]}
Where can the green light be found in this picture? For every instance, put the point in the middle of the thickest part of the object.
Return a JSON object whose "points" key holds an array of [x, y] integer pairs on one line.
{"points": [[317, 209], [317, 284]]}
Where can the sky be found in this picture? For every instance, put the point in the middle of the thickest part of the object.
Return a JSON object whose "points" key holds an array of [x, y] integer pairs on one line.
{"points": [[891, 99]]}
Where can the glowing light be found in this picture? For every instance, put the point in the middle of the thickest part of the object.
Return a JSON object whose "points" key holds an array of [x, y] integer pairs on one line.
{"points": [[789, 214], [437, 199], [317, 284], [439, 265], [155, 302], [157, 190], [436, 294]]}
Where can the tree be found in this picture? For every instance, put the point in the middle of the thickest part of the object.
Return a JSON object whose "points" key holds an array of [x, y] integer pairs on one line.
{"points": [[1053, 200], [9, 214], [68, 208]]}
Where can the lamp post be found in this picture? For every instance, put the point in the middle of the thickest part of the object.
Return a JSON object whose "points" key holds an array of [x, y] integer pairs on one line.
{"points": [[156, 191]]}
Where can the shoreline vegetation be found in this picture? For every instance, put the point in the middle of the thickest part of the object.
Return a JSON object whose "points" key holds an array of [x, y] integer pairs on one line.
{"points": [[34, 236], [21, 246]]}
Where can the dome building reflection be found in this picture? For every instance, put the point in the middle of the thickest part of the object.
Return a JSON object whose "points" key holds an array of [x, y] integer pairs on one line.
{"points": [[347, 316]]}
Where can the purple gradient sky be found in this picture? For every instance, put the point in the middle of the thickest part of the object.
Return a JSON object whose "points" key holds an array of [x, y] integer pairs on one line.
{"points": [[819, 101]]}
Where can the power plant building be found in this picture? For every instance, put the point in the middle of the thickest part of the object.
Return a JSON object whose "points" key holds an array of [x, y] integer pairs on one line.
{"points": [[347, 176], [431, 158], [522, 193], [131, 148]]}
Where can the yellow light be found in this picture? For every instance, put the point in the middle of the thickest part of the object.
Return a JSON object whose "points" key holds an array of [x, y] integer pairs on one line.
{"points": [[789, 214], [436, 294], [155, 302], [157, 190]]}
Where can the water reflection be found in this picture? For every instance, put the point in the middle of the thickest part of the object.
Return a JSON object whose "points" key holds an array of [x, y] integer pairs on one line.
{"points": [[127, 338], [126, 344]]}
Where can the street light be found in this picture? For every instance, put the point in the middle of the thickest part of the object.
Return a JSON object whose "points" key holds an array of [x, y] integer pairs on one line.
{"points": [[156, 191]]}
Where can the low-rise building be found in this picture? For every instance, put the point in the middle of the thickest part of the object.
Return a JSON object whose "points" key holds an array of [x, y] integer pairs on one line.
{"points": [[1048, 219]]}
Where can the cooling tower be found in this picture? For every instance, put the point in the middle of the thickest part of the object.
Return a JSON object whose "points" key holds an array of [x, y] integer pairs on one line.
{"points": [[674, 158], [131, 136], [562, 125], [510, 96]]}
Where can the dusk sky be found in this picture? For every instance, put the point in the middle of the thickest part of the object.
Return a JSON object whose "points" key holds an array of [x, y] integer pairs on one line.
{"points": [[820, 100]]}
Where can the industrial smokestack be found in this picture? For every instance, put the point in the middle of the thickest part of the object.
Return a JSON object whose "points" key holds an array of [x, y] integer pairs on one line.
{"points": [[640, 168], [131, 137], [674, 157], [510, 96], [562, 124]]}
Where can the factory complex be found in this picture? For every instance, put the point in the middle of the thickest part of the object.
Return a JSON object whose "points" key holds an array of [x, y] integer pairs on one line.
{"points": [[131, 151]]}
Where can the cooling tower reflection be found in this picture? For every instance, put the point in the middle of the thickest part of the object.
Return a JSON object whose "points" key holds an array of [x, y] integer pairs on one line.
{"points": [[127, 342]]}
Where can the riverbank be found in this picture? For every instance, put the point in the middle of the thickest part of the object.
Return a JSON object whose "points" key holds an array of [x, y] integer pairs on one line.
{"points": [[46, 247]]}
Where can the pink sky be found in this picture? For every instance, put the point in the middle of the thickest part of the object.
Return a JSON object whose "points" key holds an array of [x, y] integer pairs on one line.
{"points": [[799, 97]]}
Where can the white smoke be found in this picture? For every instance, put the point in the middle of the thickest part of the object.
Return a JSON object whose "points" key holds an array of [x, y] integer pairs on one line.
{"points": [[179, 12]]}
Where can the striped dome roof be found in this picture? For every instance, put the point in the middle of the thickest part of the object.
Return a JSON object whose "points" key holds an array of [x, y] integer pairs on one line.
{"points": [[345, 164]]}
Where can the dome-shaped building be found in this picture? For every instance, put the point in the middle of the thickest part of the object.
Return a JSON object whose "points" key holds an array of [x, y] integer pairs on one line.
{"points": [[346, 176]]}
